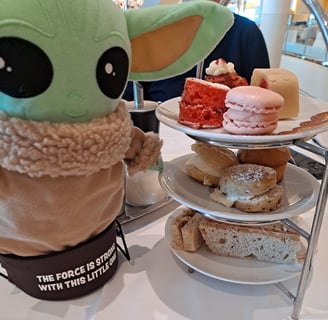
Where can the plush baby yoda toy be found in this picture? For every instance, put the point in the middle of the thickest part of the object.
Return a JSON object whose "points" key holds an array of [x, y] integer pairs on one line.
{"points": [[64, 131]]}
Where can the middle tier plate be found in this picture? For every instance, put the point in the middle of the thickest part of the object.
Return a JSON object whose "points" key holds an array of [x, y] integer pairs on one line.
{"points": [[300, 194]]}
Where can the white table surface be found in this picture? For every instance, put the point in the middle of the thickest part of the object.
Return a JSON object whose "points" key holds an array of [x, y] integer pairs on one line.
{"points": [[155, 285]]}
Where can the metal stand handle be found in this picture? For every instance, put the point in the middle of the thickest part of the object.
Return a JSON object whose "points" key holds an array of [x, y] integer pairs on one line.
{"points": [[312, 237]]}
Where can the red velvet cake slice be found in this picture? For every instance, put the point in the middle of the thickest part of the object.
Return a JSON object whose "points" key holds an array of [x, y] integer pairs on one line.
{"points": [[219, 71], [202, 104]]}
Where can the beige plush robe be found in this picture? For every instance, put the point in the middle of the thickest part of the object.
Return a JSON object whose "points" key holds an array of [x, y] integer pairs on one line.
{"points": [[61, 184]]}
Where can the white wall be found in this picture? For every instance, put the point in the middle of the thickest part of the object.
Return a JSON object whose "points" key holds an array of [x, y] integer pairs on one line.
{"points": [[274, 20], [312, 77]]}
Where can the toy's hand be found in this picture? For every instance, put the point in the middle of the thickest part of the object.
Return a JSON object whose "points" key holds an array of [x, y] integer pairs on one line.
{"points": [[144, 150]]}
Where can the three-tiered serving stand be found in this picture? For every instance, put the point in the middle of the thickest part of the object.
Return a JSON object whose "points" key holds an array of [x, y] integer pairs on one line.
{"points": [[167, 113]]}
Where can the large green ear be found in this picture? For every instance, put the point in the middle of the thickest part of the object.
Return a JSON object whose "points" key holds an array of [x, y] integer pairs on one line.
{"points": [[167, 40]]}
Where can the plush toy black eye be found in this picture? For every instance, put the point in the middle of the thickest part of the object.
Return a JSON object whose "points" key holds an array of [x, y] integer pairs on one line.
{"points": [[25, 70], [112, 72]]}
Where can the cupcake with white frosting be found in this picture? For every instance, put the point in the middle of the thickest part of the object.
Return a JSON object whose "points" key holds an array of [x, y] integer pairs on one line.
{"points": [[220, 71]]}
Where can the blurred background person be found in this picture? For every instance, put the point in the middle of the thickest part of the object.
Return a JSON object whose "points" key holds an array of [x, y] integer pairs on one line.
{"points": [[243, 45]]}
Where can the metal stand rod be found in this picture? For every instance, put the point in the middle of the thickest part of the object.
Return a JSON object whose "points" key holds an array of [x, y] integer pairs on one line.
{"points": [[312, 237], [312, 241], [200, 69], [285, 291], [321, 17], [296, 228]]}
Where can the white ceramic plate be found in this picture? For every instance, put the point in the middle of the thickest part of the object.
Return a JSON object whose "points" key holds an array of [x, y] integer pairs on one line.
{"points": [[246, 271], [168, 113], [300, 194]]}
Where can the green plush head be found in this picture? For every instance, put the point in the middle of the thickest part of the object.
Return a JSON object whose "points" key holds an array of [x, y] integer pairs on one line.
{"points": [[69, 61]]}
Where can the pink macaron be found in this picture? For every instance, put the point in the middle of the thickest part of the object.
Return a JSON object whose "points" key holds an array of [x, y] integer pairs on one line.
{"points": [[251, 110]]}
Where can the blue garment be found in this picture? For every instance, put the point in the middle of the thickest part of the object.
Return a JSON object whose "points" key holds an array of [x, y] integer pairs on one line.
{"points": [[242, 45]]}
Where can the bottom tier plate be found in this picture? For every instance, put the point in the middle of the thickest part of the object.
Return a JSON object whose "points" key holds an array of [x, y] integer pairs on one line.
{"points": [[246, 271]]}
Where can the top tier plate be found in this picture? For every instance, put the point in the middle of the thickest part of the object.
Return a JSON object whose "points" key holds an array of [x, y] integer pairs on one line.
{"points": [[284, 135]]}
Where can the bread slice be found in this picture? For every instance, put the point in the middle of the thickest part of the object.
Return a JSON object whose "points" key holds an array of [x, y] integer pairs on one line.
{"points": [[274, 242], [184, 231]]}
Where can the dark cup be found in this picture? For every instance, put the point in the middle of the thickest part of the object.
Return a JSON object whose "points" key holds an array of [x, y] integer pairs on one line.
{"points": [[145, 118]]}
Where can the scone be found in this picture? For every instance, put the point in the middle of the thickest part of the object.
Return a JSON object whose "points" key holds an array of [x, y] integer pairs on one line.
{"points": [[249, 188], [276, 158], [206, 164]]}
